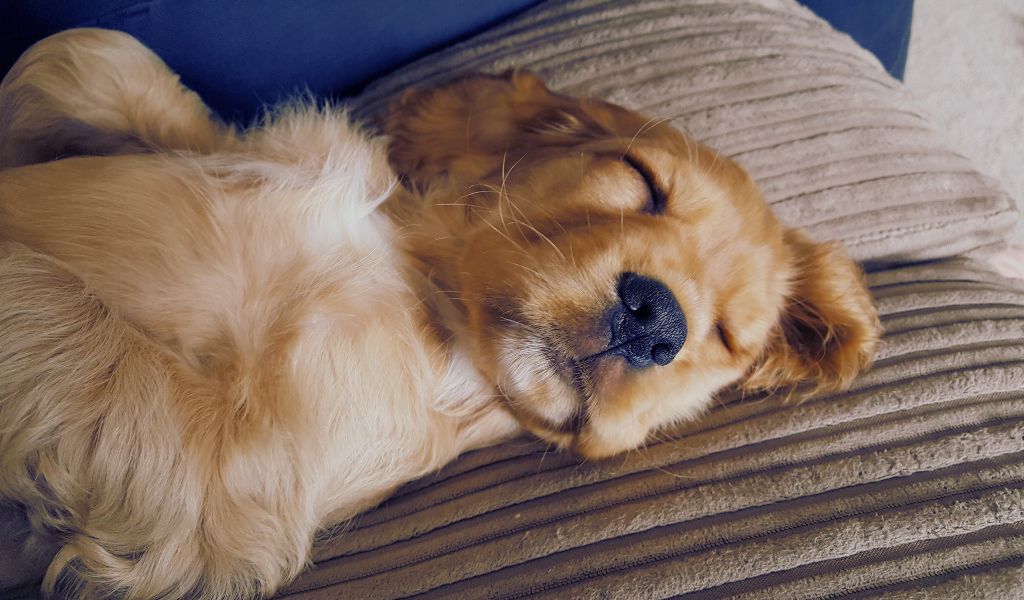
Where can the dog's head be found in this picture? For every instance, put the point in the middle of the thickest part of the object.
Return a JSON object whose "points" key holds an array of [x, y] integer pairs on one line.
{"points": [[614, 274]]}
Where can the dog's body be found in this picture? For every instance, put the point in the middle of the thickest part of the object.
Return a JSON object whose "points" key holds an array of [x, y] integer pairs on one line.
{"points": [[214, 344], [239, 318]]}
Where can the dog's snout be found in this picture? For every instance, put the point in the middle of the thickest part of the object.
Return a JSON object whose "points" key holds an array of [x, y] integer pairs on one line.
{"points": [[650, 327]]}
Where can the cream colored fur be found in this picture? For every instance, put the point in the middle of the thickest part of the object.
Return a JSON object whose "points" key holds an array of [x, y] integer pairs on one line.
{"points": [[204, 356]]}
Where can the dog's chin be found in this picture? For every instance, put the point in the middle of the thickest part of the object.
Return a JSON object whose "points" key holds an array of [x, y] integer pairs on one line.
{"points": [[541, 388], [553, 394]]}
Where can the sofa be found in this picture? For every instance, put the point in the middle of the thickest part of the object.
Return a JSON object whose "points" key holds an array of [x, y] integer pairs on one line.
{"points": [[910, 485]]}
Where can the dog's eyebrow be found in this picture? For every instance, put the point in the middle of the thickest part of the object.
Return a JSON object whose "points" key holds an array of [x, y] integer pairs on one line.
{"points": [[659, 201]]}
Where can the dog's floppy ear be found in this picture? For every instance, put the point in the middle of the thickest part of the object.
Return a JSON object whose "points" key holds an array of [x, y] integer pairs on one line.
{"points": [[467, 126], [828, 328]]}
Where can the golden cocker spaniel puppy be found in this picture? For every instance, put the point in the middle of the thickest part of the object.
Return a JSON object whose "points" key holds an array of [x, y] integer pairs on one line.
{"points": [[215, 342]]}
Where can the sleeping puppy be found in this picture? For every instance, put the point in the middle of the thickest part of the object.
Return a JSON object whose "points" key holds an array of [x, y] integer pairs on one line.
{"points": [[213, 343]]}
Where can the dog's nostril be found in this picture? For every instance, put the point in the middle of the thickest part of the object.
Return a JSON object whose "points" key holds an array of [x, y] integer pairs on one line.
{"points": [[642, 312], [663, 354], [650, 327]]}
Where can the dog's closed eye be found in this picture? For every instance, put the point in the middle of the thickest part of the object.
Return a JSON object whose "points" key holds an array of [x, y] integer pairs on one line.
{"points": [[723, 336], [657, 201]]}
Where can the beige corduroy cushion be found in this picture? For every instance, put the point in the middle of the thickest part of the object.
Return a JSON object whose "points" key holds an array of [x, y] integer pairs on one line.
{"points": [[836, 145], [911, 485]]}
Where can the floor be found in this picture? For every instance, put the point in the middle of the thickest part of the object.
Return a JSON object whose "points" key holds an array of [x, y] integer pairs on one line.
{"points": [[966, 68]]}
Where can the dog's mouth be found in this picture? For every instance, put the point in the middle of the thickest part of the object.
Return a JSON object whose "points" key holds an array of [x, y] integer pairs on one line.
{"points": [[582, 376], [556, 376], [547, 388], [556, 385]]}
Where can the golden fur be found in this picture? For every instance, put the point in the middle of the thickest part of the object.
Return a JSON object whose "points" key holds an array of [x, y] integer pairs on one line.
{"points": [[214, 343]]}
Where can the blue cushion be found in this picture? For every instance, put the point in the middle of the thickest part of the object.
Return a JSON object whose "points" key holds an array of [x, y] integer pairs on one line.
{"points": [[881, 26]]}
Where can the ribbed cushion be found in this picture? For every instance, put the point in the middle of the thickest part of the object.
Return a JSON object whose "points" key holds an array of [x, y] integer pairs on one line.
{"points": [[835, 143], [911, 485], [911, 481]]}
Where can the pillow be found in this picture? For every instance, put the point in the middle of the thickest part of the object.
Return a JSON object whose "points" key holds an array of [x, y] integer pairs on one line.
{"points": [[836, 144]]}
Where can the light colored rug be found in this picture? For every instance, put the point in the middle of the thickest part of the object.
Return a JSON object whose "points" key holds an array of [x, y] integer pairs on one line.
{"points": [[966, 67]]}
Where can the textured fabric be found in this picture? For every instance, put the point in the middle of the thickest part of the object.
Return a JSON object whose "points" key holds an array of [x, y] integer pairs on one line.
{"points": [[911, 481], [835, 143]]}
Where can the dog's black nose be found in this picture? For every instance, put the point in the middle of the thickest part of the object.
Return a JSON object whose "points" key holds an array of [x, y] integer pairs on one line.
{"points": [[649, 327]]}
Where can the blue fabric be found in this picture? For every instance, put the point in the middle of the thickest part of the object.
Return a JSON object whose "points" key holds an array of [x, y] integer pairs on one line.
{"points": [[240, 54], [881, 26]]}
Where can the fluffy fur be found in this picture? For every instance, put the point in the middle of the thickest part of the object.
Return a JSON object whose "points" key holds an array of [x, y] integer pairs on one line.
{"points": [[214, 343]]}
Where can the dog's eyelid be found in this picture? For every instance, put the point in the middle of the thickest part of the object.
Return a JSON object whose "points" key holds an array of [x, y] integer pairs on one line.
{"points": [[659, 201], [723, 335]]}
